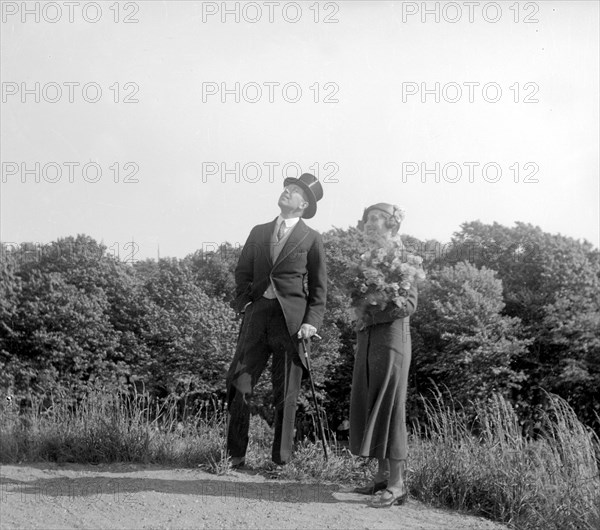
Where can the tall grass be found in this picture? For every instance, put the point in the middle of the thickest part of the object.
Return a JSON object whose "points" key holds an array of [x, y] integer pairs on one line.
{"points": [[485, 466], [551, 482], [113, 426]]}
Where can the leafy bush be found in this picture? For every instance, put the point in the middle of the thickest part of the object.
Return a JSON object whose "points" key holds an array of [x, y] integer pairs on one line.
{"points": [[465, 342]]}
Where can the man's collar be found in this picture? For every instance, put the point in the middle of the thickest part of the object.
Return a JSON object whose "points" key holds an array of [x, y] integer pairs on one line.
{"points": [[289, 223]]}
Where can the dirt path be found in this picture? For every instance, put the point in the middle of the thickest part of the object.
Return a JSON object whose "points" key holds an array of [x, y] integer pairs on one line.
{"points": [[51, 496]]}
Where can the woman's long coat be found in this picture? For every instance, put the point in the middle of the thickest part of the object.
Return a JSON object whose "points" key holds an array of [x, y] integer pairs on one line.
{"points": [[380, 380]]}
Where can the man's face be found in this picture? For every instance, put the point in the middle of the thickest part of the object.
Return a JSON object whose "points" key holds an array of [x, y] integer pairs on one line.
{"points": [[292, 199]]}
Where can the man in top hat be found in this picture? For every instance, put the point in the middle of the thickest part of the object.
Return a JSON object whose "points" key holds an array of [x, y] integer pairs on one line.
{"points": [[281, 286]]}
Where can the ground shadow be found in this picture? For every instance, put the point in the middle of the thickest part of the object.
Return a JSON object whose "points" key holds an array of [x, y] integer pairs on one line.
{"points": [[125, 489]]}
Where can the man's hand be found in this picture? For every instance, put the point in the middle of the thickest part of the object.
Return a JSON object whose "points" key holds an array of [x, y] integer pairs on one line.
{"points": [[306, 331]]}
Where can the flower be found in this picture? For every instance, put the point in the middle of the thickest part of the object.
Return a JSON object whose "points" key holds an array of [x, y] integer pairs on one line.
{"points": [[384, 275]]}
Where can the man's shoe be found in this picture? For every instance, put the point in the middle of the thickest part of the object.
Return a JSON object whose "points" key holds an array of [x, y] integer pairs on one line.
{"points": [[238, 462], [371, 489], [276, 470], [389, 498]]}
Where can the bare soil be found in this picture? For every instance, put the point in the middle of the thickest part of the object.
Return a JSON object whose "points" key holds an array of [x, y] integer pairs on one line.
{"points": [[52, 496]]}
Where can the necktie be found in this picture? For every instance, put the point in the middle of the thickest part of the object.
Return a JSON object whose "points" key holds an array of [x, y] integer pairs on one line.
{"points": [[281, 231]]}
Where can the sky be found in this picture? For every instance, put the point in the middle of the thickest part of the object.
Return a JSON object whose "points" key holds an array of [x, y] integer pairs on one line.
{"points": [[136, 114]]}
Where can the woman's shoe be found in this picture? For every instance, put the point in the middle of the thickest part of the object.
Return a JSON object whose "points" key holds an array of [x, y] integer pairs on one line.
{"points": [[389, 498], [371, 489]]}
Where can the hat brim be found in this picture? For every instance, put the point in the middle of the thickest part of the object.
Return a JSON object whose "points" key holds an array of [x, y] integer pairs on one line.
{"points": [[311, 209]]}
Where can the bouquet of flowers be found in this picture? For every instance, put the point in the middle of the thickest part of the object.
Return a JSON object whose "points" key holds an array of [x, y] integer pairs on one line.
{"points": [[384, 274]]}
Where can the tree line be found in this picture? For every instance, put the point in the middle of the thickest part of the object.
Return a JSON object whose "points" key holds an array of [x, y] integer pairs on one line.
{"points": [[503, 310]]}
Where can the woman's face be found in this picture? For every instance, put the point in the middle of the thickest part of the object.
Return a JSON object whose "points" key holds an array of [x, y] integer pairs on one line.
{"points": [[375, 225]]}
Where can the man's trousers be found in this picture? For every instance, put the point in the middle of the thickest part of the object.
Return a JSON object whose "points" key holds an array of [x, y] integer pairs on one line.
{"points": [[264, 332]]}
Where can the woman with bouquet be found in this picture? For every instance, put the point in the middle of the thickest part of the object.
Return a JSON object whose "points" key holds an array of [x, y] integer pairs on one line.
{"points": [[384, 295]]}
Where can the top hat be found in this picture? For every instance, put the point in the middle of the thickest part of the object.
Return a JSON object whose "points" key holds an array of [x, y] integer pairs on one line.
{"points": [[313, 190]]}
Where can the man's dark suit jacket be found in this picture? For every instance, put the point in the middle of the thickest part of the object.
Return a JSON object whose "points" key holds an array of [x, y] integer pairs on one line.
{"points": [[299, 274]]}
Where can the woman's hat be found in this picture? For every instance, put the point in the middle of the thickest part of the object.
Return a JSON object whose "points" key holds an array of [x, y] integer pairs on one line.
{"points": [[312, 188], [395, 214]]}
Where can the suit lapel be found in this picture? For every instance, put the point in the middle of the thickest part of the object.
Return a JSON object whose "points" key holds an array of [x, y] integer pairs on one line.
{"points": [[266, 242], [299, 233]]}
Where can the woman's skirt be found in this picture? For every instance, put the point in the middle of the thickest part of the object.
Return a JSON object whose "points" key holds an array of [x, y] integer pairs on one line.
{"points": [[378, 398]]}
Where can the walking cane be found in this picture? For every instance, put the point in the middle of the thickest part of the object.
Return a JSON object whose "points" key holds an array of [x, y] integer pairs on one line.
{"points": [[306, 347]]}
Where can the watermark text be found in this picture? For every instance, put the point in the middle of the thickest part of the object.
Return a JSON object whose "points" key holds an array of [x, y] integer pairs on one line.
{"points": [[253, 172], [471, 172], [69, 12], [270, 12], [269, 92], [469, 91], [69, 92], [52, 172]]}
